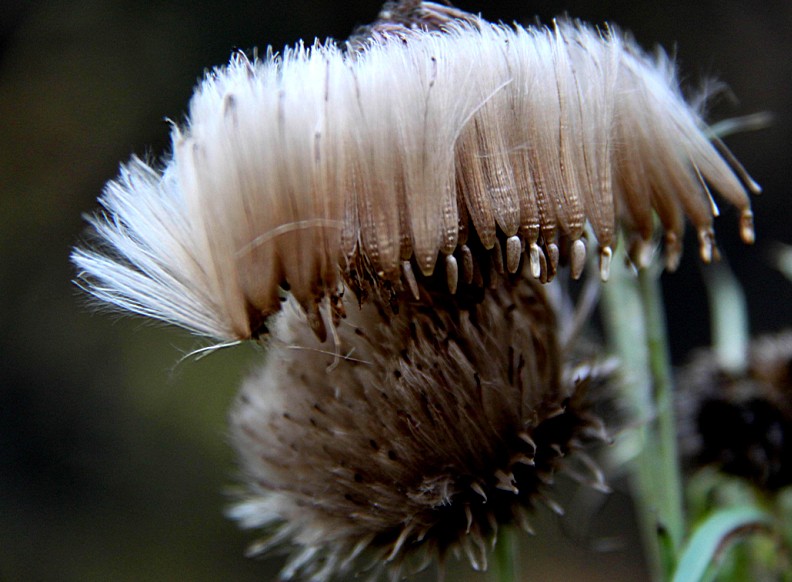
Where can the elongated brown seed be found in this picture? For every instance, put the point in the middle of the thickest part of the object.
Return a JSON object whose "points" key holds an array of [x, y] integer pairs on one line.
{"points": [[436, 137]]}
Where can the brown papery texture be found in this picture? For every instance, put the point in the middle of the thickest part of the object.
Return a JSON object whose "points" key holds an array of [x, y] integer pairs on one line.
{"points": [[423, 433]]}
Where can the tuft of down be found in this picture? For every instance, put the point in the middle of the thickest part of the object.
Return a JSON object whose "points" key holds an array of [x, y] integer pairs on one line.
{"points": [[458, 149]]}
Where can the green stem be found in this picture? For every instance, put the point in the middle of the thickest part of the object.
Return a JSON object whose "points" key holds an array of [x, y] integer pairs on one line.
{"points": [[623, 319], [634, 319], [671, 511], [506, 556]]}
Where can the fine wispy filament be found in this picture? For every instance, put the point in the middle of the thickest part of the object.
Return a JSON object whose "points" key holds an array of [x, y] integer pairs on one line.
{"points": [[453, 152], [450, 421]]}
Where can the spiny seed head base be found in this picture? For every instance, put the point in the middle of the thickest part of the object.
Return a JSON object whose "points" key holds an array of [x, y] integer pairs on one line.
{"points": [[423, 433]]}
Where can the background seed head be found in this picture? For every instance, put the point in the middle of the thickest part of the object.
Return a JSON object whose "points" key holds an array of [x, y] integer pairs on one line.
{"points": [[741, 423]]}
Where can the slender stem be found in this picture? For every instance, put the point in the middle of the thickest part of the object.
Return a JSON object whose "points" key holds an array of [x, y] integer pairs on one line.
{"points": [[671, 511], [506, 556], [624, 322], [634, 319]]}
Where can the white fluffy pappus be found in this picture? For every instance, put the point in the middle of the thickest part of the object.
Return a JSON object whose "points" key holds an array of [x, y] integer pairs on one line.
{"points": [[458, 150]]}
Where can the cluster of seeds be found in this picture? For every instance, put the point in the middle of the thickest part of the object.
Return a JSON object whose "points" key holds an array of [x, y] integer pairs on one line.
{"points": [[459, 149], [425, 432]]}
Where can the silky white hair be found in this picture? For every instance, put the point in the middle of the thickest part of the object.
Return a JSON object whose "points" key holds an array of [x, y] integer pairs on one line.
{"points": [[410, 150]]}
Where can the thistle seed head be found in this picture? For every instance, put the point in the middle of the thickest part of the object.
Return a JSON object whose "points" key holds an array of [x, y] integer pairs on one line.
{"points": [[436, 141], [741, 423], [417, 436]]}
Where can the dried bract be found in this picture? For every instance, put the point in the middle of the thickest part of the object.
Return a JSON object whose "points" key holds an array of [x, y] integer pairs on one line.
{"points": [[419, 437]]}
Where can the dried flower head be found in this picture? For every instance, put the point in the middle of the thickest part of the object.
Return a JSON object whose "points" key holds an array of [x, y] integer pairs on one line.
{"points": [[399, 15], [425, 432], [741, 422], [441, 143]]}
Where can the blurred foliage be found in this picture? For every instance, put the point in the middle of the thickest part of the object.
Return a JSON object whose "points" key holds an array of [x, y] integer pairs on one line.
{"points": [[113, 459]]}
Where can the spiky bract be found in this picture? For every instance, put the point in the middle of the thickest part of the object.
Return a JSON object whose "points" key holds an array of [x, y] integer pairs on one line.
{"points": [[420, 436]]}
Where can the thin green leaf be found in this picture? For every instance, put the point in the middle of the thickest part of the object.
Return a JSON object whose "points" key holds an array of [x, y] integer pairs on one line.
{"points": [[712, 536]]}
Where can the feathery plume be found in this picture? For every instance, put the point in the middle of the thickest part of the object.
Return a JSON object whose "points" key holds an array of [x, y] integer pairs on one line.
{"points": [[440, 143]]}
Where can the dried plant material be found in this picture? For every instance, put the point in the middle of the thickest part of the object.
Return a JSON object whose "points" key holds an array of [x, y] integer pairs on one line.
{"points": [[428, 142], [421, 435], [400, 15], [741, 422]]}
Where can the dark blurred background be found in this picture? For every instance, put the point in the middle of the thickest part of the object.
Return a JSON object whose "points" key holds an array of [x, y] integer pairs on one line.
{"points": [[113, 459]]}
